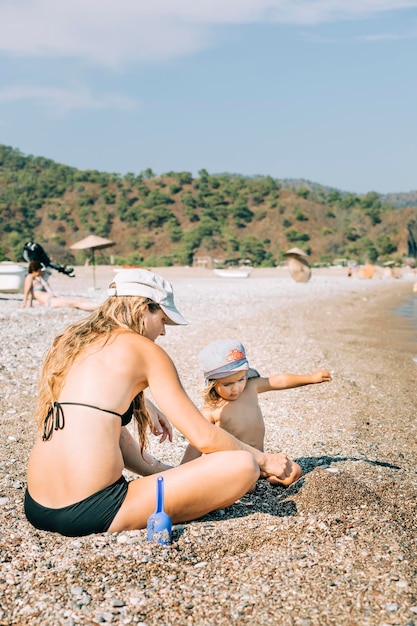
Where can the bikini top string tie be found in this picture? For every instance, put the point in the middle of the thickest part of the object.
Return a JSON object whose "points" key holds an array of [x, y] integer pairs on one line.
{"points": [[54, 420]]}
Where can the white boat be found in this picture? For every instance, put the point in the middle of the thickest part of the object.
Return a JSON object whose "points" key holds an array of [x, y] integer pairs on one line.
{"points": [[233, 272], [12, 277]]}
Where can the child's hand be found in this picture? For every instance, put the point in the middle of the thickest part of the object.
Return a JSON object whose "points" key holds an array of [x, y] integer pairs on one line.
{"points": [[321, 376]]}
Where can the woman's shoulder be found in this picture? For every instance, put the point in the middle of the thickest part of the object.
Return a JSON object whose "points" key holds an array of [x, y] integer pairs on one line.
{"points": [[129, 340]]}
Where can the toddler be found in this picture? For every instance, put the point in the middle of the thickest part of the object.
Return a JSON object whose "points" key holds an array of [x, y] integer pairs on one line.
{"points": [[231, 395]]}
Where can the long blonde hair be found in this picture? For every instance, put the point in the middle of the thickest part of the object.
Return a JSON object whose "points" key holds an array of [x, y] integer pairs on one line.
{"points": [[117, 312]]}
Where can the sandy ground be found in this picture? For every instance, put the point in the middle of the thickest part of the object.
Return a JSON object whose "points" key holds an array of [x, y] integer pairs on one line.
{"points": [[338, 548]]}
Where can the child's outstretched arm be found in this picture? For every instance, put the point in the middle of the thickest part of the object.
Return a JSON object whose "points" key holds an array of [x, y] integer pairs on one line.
{"points": [[290, 381]]}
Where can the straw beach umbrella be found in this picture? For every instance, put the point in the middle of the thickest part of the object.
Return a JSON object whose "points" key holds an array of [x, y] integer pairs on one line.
{"points": [[92, 242], [298, 265]]}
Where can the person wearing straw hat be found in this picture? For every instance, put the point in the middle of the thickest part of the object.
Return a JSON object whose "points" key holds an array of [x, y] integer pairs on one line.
{"points": [[231, 396], [91, 386]]}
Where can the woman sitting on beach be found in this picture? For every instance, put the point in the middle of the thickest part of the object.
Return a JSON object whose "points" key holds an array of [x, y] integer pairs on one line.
{"points": [[91, 386], [36, 287]]}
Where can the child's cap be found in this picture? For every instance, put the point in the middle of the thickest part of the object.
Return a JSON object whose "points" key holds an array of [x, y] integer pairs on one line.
{"points": [[137, 282], [222, 358]]}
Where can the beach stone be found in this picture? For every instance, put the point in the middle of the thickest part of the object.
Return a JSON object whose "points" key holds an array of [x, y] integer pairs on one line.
{"points": [[338, 548]]}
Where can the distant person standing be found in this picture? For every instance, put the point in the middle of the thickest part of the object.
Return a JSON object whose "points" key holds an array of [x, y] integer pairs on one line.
{"points": [[36, 287]]}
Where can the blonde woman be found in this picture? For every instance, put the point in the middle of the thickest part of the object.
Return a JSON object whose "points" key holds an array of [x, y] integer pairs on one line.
{"points": [[91, 386]]}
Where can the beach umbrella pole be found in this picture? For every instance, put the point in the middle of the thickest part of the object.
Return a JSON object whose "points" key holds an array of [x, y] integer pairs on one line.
{"points": [[92, 242], [94, 267]]}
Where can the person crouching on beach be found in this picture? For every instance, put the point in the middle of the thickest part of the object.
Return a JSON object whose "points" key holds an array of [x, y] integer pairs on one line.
{"points": [[91, 386], [231, 396], [36, 287]]}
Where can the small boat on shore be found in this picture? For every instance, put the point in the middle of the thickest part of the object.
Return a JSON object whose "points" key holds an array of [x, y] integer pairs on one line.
{"points": [[12, 277], [233, 272]]}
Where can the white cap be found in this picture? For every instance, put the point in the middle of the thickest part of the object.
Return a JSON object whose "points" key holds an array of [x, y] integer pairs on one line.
{"points": [[138, 282]]}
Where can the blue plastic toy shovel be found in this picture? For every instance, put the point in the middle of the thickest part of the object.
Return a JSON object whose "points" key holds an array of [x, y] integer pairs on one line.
{"points": [[159, 523]]}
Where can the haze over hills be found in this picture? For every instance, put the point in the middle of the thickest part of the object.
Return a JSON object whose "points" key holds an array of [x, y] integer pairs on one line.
{"points": [[172, 218], [397, 199]]}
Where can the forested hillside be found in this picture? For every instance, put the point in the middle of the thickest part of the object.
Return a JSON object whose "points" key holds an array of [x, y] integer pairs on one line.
{"points": [[170, 219]]}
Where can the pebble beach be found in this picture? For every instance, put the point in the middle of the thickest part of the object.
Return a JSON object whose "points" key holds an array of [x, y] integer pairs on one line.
{"points": [[337, 548]]}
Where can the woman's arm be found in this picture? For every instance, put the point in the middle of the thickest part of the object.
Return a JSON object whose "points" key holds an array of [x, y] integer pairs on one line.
{"points": [[137, 461], [28, 291], [47, 286]]}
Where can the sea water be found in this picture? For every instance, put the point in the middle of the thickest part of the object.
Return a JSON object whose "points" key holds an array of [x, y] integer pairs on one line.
{"points": [[408, 311]]}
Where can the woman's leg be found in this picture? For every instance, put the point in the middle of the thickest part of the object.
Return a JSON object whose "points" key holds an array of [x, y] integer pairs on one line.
{"points": [[73, 302], [211, 482], [84, 305]]}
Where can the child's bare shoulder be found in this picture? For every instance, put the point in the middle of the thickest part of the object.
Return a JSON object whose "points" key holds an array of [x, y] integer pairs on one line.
{"points": [[257, 384]]}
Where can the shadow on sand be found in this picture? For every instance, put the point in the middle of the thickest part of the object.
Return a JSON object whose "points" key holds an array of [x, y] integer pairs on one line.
{"points": [[309, 463], [276, 501]]}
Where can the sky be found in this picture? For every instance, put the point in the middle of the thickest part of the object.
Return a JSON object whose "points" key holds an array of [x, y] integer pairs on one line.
{"points": [[324, 90]]}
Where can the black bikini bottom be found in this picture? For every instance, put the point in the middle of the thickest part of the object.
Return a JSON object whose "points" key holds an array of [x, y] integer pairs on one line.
{"points": [[91, 515]]}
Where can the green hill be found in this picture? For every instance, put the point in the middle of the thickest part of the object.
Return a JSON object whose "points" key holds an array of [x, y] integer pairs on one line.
{"points": [[171, 219]]}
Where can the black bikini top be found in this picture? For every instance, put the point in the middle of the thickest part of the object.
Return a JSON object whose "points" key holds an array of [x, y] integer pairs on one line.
{"points": [[55, 419]]}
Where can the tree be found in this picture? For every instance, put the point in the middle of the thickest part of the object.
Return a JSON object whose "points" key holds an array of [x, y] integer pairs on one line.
{"points": [[241, 213], [251, 247], [385, 244], [204, 176], [148, 173]]}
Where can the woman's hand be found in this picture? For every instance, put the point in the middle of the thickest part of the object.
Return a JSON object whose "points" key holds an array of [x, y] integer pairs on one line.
{"points": [[160, 425], [278, 465], [289, 470]]}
